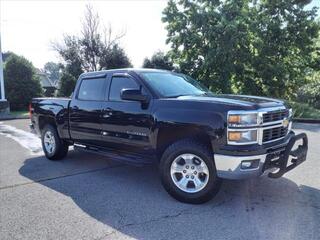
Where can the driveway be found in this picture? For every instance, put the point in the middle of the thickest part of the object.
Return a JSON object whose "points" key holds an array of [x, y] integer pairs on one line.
{"points": [[87, 196]]}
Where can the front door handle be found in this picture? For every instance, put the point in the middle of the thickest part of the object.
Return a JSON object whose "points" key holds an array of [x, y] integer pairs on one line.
{"points": [[107, 112], [106, 115], [75, 108]]}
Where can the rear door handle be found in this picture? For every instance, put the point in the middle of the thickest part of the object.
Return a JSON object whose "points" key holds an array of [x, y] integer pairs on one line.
{"points": [[75, 108]]}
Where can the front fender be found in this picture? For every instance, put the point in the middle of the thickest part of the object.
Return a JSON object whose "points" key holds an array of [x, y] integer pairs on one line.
{"points": [[207, 122]]}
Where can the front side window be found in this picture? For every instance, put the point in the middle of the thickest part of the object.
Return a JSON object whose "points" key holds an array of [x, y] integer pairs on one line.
{"points": [[119, 83], [91, 89], [174, 85]]}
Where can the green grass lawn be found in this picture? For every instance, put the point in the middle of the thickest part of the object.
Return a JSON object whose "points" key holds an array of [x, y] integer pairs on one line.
{"points": [[20, 113]]}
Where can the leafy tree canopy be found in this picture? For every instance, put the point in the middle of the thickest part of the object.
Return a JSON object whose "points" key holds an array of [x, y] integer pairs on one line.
{"points": [[21, 82], [94, 49], [159, 60], [66, 84], [247, 46]]}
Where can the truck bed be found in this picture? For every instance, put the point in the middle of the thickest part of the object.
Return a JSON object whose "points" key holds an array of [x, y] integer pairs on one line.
{"points": [[52, 109]]}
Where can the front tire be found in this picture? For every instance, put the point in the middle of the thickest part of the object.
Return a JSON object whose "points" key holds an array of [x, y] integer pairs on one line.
{"points": [[54, 148], [188, 172]]}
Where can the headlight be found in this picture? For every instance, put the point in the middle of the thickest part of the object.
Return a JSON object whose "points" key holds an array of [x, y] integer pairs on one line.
{"points": [[247, 119], [290, 112], [245, 137]]}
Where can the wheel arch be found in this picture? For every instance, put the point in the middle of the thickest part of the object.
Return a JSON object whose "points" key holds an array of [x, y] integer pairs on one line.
{"points": [[45, 120], [170, 134]]}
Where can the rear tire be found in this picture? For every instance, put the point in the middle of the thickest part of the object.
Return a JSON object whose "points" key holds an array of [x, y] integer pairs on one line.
{"points": [[53, 146], [196, 185]]}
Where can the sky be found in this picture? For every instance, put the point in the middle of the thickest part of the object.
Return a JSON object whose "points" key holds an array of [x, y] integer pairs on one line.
{"points": [[29, 27]]}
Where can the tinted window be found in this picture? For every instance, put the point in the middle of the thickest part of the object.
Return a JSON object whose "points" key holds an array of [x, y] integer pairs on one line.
{"points": [[91, 89], [174, 85], [119, 83]]}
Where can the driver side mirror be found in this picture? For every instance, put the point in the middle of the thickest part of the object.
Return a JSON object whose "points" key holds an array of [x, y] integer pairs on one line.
{"points": [[134, 95]]}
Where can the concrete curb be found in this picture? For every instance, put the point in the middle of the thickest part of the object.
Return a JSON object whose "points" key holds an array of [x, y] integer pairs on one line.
{"points": [[306, 120], [11, 117]]}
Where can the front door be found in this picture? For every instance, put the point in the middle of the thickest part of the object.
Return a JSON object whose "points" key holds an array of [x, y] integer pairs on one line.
{"points": [[126, 125]]}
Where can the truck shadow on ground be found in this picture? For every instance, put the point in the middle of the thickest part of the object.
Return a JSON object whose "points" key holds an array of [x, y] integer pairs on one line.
{"points": [[132, 201]]}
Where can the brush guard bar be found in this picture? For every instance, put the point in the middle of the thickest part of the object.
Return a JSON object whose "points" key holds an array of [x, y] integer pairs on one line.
{"points": [[297, 156]]}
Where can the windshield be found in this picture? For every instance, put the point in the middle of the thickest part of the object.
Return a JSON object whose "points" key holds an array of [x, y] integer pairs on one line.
{"points": [[174, 85]]}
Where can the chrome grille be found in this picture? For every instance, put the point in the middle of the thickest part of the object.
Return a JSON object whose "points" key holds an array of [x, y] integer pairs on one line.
{"points": [[275, 115], [273, 124], [271, 134]]}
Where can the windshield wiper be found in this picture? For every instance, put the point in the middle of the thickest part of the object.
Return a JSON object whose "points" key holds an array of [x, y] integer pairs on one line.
{"points": [[176, 96], [183, 95], [205, 94]]}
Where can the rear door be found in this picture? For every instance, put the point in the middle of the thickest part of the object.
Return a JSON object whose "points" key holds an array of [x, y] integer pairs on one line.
{"points": [[126, 125], [85, 111]]}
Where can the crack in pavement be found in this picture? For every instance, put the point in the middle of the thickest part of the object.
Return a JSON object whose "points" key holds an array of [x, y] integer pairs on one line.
{"points": [[188, 211], [183, 212], [59, 177], [231, 196]]}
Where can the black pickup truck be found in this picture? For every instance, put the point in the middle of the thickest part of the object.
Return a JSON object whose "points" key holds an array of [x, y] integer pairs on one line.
{"points": [[197, 138]]}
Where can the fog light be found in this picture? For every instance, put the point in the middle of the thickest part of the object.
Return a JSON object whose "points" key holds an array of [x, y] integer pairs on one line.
{"points": [[250, 164], [245, 164]]}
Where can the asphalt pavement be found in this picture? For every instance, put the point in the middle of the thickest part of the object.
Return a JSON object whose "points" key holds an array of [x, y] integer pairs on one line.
{"points": [[86, 196]]}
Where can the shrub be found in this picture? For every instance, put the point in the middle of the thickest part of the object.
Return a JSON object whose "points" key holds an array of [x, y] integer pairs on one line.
{"points": [[21, 82], [303, 110], [310, 94]]}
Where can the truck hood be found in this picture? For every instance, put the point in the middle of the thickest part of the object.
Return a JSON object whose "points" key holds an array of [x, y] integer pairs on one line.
{"points": [[253, 102]]}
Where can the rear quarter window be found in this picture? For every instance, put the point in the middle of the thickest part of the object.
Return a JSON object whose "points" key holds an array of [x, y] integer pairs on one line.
{"points": [[91, 89]]}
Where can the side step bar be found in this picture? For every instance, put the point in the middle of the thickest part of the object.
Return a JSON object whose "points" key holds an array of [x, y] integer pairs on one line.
{"points": [[132, 159]]}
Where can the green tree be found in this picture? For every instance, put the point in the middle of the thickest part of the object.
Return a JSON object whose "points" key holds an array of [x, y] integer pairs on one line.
{"points": [[159, 60], [69, 51], [114, 57], [6, 55], [21, 82], [247, 46], [66, 84], [95, 49]]}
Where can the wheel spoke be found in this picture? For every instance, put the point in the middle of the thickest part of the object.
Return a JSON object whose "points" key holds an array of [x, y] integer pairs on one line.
{"points": [[184, 182], [202, 168], [188, 158], [177, 167], [197, 182]]}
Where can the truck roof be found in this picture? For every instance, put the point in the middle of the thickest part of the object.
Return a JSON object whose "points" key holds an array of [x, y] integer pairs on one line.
{"points": [[122, 70]]}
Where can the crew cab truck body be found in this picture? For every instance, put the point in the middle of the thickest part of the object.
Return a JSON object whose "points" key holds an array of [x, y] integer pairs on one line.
{"points": [[144, 116]]}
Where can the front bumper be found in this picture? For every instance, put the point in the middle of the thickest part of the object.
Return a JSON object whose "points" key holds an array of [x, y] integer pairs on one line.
{"points": [[241, 167]]}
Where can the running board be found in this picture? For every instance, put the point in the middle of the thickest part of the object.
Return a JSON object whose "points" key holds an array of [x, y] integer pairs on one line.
{"points": [[132, 159]]}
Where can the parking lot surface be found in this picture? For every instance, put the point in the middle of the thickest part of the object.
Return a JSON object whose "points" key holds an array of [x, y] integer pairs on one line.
{"points": [[87, 196]]}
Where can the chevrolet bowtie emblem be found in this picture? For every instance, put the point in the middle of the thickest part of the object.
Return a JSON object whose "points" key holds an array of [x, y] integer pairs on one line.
{"points": [[285, 123]]}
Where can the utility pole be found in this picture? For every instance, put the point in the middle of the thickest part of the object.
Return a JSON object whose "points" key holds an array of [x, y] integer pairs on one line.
{"points": [[4, 105], [1, 75]]}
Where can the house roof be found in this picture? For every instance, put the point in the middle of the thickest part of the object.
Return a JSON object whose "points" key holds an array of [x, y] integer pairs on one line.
{"points": [[44, 79]]}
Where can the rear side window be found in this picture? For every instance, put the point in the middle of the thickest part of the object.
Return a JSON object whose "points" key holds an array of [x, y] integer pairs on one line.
{"points": [[91, 89], [119, 83]]}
